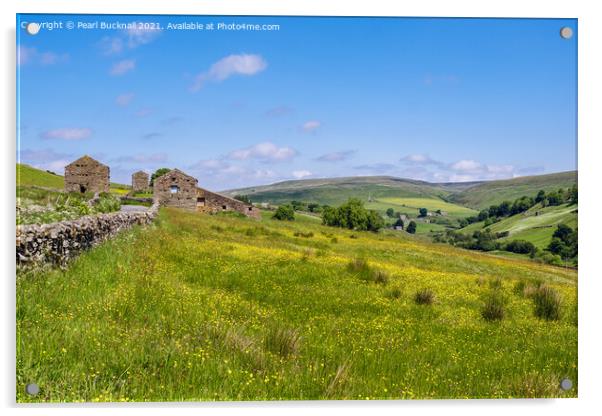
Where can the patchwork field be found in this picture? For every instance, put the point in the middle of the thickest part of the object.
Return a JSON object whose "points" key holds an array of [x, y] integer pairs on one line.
{"points": [[537, 229], [200, 307]]}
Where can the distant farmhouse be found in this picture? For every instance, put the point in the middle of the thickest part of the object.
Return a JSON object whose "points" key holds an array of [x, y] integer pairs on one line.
{"points": [[177, 189], [86, 175], [140, 181]]}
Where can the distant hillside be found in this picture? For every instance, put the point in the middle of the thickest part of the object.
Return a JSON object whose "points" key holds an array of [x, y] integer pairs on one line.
{"points": [[30, 176], [535, 225], [335, 191], [484, 194], [383, 190]]}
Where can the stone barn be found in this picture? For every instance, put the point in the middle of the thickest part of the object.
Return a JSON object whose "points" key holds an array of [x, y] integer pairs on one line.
{"points": [[86, 175], [140, 181], [211, 202], [176, 189]]}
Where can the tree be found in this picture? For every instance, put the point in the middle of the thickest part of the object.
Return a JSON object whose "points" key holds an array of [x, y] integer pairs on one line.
{"points": [[284, 212], [541, 195], [411, 227], [553, 199], [352, 215], [423, 212], [574, 193], [158, 172], [521, 205], [243, 198], [314, 207], [399, 223], [503, 209], [390, 212], [483, 215], [375, 221]]}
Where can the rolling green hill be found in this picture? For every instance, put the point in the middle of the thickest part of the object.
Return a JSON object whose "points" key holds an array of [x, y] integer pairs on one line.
{"points": [[485, 194], [335, 191], [535, 225], [30, 176]]}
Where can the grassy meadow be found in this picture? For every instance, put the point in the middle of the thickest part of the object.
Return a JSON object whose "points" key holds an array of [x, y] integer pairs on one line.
{"points": [[200, 307]]}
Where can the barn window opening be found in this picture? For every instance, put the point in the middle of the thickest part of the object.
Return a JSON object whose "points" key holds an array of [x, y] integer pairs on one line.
{"points": [[174, 189], [224, 207], [200, 201], [250, 208]]}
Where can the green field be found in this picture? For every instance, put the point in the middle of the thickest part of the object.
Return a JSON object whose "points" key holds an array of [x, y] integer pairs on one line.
{"points": [[537, 229], [432, 204], [29, 176], [485, 194], [200, 307]]}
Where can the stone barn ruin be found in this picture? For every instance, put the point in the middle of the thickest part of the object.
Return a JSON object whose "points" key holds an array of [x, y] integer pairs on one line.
{"points": [[140, 181], [177, 189], [86, 175]]}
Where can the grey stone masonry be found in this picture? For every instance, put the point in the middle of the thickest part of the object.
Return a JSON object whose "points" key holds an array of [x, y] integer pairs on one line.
{"points": [[58, 242], [86, 175]]}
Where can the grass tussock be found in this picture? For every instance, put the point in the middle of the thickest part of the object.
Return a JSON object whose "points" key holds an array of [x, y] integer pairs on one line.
{"points": [[547, 303], [394, 293], [283, 341], [424, 297], [494, 306], [308, 234]]}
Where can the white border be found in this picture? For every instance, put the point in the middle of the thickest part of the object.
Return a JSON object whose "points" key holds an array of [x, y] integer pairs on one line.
{"points": [[590, 134]]}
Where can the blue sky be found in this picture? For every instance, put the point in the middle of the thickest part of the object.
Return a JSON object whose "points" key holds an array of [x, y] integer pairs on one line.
{"points": [[432, 99]]}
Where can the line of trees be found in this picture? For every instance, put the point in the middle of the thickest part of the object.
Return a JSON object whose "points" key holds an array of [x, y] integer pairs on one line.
{"points": [[563, 247]]}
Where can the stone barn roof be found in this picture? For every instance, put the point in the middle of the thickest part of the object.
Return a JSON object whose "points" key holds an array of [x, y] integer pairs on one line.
{"points": [[86, 161]]}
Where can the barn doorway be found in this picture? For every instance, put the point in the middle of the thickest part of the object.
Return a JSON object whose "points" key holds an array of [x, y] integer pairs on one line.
{"points": [[82, 189]]}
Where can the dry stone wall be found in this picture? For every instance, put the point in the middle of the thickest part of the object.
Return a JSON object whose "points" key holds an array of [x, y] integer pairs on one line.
{"points": [[58, 242]]}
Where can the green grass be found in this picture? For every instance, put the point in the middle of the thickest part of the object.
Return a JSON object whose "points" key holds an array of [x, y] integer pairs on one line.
{"points": [[200, 307], [537, 229], [490, 193], [27, 175]]}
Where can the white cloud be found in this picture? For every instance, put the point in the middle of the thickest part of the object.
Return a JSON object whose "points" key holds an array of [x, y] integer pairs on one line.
{"points": [[140, 158], [467, 165], [300, 174], [223, 69], [111, 45], [311, 126], [27, 56], [124, 99], [67, 134], [129, 38], [45, 159], [266, 151], [139, 36], [123, 67], [336, 156], [143, 112]]}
